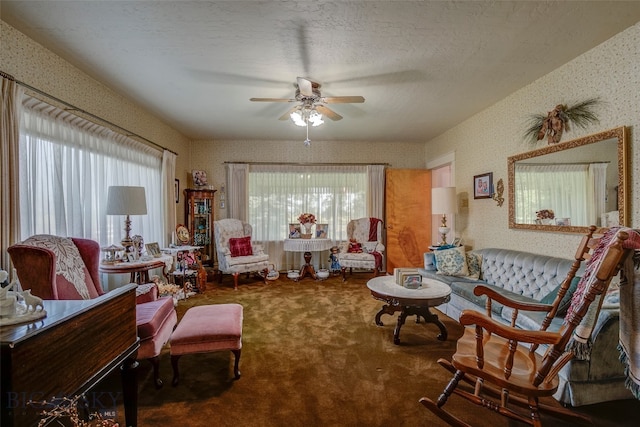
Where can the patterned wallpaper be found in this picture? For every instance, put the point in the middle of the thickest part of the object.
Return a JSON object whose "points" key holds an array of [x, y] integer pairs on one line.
{"points": [[482, 144]]}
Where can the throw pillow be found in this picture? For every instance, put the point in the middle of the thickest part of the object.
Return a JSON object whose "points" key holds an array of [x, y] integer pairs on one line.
{"points": [[474, 265], [566, 300], [240, 246], [355, 247], [452, 262]]}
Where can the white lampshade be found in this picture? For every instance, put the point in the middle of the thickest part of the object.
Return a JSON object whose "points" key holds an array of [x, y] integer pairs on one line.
{"points": [[443, 200], [123, 200]]}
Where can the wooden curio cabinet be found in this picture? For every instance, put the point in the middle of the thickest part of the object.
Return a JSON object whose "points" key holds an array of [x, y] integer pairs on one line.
{"points": [[198, 213]]}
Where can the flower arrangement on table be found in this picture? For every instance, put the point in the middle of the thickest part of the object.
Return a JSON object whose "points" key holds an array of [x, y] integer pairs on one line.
{"points": [[545, 214], [307, 218]]}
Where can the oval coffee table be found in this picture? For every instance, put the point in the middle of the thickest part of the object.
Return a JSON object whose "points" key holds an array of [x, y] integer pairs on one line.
{"points": [[410, 302]]}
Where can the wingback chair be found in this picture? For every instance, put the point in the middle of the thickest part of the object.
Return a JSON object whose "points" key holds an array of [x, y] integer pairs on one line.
{"points": [[62, 268], [236, 252], [364, 249]]}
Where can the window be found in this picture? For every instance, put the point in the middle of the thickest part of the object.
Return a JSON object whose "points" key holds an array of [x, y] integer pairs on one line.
{"points": [[278, 194], [66, 166]]}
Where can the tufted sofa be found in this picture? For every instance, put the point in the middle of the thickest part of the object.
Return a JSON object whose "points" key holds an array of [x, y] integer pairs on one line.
{"points": [[530, 277]]}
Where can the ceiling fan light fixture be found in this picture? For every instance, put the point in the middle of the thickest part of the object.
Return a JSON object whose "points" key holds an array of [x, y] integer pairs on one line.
{"points": [[303, 116], [298, 118]]}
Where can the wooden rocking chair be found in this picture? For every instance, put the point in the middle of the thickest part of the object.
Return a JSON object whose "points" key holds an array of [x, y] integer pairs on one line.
{"points": [[498, 364]]}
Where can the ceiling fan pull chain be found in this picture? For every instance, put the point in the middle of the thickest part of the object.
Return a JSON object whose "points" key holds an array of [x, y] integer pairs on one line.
{"points": [[307, 142]]}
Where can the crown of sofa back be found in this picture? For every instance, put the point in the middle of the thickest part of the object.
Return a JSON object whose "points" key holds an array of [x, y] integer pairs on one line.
{"points": [[528, 274]]}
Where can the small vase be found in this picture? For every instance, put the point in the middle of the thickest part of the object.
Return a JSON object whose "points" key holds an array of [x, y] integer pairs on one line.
{"points": [[307, 230]]}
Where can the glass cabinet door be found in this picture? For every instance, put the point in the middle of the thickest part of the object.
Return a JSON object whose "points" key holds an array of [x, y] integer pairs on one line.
{"points": [[199, 216]]}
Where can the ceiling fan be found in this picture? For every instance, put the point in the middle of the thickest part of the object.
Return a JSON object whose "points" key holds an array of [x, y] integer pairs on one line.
{"points": [[311, 103]]}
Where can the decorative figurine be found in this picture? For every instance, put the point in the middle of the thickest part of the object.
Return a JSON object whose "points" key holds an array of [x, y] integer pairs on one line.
{"points": [[333, 258]]}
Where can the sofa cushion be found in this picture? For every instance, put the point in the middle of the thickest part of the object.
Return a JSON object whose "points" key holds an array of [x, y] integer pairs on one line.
{"points": [[566, 300], [452, 262], [150, 316], [474, 265]]}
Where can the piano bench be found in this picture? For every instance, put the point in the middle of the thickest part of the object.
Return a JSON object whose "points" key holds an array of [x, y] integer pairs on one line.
{"points": [[208, 328]]}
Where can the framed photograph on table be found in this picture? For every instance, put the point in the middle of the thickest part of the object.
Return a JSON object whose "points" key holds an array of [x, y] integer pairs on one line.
{"points": [[294, 231], [483, 186], [153, 249], [322, 231]]}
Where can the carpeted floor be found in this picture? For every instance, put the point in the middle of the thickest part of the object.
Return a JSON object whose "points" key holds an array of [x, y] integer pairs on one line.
{"points": [[313, 356]]}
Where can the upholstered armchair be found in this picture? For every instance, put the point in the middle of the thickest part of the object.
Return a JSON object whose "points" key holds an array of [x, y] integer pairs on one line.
{"points": [[61, 268], [236, 252], [364, 249]]}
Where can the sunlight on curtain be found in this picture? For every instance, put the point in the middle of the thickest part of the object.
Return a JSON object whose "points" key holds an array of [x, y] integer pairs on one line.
{"points": [[278, 194], [567, 189], [66, 166]]}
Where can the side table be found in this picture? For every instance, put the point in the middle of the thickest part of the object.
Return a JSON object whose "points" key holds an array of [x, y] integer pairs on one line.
{"points": [[307, 246], [139, 270]]}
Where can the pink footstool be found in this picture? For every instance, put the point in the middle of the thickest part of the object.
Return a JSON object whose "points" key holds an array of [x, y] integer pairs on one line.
{"points": [[208, 328]]}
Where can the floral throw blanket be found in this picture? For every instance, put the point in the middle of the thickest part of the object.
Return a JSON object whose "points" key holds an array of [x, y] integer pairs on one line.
{"points": [[67, 256], [629, 342], [580, 342]]}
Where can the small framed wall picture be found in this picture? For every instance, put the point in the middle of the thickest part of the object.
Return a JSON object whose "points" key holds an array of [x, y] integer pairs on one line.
{"points": [[483, 186]]}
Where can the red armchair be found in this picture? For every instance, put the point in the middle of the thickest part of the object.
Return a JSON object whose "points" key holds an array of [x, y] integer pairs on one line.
{"points": [[63, 268]]}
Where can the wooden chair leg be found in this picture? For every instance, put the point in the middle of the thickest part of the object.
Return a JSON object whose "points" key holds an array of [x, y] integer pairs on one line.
{"points": [[176, 373], [344, 274], [155, 362], [235, 281], [236, 364]]}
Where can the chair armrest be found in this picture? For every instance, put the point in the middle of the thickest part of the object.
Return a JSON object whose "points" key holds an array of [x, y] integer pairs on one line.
{"points": [[380, 247], [472, 317], [257, 249], [480, 290], [146, 293]]}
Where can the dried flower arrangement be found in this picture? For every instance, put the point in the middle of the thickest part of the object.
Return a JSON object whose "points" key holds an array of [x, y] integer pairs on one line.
{"points": [[65, 410], [545, 214], [557, 121], [307, 218]]}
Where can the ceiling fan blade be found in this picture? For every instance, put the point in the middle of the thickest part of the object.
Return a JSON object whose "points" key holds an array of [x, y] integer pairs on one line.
{"points": [[272, 100], [328, 113], [305, 86], [287, 115], [342, 99]]}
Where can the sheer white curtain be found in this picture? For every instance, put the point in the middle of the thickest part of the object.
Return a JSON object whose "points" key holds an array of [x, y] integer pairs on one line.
{"points": [[567, 189], [278, 194], [598, 176], [66, 166]]}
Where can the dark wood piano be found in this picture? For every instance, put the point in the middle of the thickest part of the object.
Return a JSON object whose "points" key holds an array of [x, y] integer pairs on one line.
{"points": [[67, 352]]}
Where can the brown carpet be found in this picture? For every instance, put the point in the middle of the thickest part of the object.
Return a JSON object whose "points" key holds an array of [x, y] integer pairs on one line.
{"points": [[313, 356]]}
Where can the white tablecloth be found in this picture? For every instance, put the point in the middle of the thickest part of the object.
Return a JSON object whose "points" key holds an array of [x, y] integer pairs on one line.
{"points": [[307, 245]]}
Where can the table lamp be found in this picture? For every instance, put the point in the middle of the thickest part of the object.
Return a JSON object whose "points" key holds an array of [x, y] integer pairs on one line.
{"points": [[123, 200], [443, 201]]}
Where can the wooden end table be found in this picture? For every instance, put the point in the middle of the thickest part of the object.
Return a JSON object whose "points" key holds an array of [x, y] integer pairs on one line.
{"points": [[307, 246], [410, 302]]}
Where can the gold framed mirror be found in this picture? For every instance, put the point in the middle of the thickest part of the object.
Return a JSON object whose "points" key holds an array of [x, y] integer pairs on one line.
{"points": [[605, 152]]}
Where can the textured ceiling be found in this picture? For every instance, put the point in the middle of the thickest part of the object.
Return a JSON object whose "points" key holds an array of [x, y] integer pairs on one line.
{"points": [[422, 66]]}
